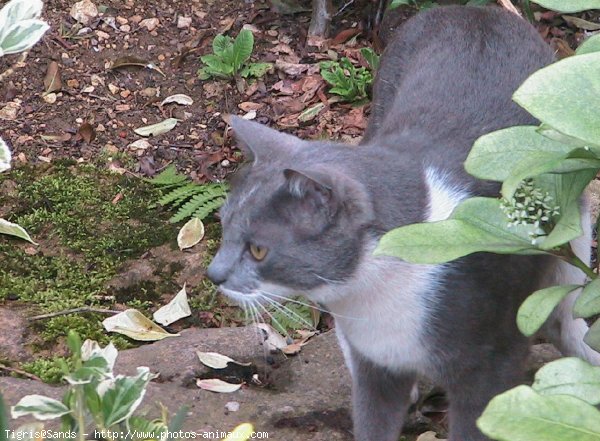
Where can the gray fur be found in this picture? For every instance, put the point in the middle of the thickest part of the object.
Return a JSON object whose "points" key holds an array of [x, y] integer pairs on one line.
{"points": [[446, 78]]}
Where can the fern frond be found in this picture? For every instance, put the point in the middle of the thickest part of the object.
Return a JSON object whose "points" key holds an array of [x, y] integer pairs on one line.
{"points": [[207, 197], [209, 207], [168, 177], [179, 193]]}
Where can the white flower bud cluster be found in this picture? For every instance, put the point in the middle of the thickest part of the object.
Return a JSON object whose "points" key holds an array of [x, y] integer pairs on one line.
{"points": [[530, 206]]}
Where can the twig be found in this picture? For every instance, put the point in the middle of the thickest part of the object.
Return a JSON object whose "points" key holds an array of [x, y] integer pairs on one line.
{"points": [[506, 4], [73, 311], [11, 70], [20, 372]]}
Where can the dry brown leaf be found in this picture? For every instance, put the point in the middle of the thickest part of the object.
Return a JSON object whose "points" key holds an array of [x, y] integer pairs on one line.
{"points": [[429, 436], [226, 24], [216, 385], [247, 106], [84, 11], [52, 81], [345, 35], [129, 61], [86, 132]]}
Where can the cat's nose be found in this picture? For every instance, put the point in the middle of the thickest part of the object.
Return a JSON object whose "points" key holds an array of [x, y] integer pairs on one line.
{"points": [[216, 273]]}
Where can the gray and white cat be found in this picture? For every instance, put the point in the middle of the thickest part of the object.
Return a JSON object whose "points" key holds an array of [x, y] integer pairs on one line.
{"points": [[305, 216]]}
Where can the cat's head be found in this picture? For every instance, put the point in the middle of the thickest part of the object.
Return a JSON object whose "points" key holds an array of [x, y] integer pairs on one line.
{"points": [[293, 221]]}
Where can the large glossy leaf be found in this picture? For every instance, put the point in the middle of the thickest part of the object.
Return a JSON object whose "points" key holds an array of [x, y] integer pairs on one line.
{"points": [[569, 376], [566, 189], [588, 302], [536, 309], [521, 414], [565, 95], [592, 338], [569, 5], [477, 224], [589, 45], [494, 155]]}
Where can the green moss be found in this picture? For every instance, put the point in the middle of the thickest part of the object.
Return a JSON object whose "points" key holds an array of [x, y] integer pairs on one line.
{"points": [[49, 370], [88, 222]]}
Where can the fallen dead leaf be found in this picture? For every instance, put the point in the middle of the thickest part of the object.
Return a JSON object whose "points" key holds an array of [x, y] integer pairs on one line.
{"points": [[176, 309], [179, 98], [215, 360], [52, 80], [135, 325], [247, 106], [158, 128], [86, 132], [216, 385], [129, 61], [190, 234], [273, 339]]}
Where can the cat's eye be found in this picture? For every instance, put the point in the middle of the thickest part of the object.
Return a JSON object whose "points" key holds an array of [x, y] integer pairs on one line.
{"points": [[259, 253]]}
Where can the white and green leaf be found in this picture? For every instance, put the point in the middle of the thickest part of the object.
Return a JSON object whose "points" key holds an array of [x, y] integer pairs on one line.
{"points": [[40, 407]]}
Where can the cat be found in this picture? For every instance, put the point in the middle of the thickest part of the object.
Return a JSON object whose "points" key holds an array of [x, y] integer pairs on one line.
{"points": [[305, 217]]}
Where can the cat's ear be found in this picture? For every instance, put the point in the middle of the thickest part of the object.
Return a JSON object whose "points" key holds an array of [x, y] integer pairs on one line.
{"points": [[259, 142], [313, 186]]}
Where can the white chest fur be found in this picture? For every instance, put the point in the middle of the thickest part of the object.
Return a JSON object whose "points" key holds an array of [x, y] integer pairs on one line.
{"points": [[382, 311]]}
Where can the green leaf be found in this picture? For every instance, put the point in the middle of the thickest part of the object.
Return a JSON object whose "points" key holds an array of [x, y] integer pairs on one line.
{"points": [[371, 57], [242, 49], [536, 309], [591, 44], [395, 3], [496, 154], [477, 224], [565, 95], [478, 2], [123, 396], [566, 189], [255, 70], [569, 376], [521, 414], [216, 66], [13, 229], [74, 344], [569, 5], [40, 407], [176, 423], [221, 44], [576, 160], [592, 338], [588, 302]]}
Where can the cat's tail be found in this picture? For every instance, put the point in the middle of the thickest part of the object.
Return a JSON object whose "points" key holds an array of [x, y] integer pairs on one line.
{"points": [[564, 331]]}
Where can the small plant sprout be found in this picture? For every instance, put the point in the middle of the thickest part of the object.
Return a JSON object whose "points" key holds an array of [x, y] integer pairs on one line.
{"points": [[349, 82], [231, 58], [531, 206]]}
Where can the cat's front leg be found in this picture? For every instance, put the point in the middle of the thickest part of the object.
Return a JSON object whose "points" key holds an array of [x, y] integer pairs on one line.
{"points": [[380, 399]]}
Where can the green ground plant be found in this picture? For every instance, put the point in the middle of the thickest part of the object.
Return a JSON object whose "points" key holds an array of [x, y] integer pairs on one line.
{"points": [[190, 199], [98, 401], [351, 83], [544, 170], [231, 58]]}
